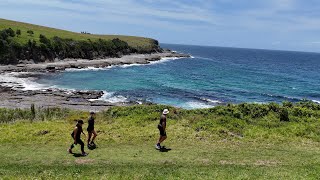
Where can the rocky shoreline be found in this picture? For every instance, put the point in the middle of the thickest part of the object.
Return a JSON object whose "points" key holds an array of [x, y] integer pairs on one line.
{"points": [[13, 95]]}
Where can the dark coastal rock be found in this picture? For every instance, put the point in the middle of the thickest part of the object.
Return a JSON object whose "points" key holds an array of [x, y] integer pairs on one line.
{"points": [[51, 68], [4, 89], [101, 103], [89, 94], [157, 58], [72, 99]]}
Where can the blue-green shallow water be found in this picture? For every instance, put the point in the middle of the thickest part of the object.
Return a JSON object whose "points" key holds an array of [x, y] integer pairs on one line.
{"points": [[214, 75]]}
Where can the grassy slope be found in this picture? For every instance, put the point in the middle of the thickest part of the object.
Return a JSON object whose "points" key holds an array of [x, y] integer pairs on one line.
{"points": [[51, 32], [127, 136]]}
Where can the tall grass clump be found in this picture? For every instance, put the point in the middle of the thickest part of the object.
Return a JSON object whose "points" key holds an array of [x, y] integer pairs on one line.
{"points": [[246, 121], [41, 114]]}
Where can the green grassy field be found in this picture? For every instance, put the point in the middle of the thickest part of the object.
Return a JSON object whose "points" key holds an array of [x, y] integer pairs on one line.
{"points": [[229, 142], [136, 42]]}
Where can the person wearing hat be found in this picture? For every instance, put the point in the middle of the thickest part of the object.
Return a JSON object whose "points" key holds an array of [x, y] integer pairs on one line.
{"points": [[91, 130], [76, 133], [162, 128]]}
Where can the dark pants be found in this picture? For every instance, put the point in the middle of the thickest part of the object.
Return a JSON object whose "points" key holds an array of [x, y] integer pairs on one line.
{"points": [[79, 141]]}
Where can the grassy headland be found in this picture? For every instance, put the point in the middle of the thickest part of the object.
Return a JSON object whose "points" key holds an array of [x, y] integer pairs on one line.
{"points": [[23, 41], [245, 141]]}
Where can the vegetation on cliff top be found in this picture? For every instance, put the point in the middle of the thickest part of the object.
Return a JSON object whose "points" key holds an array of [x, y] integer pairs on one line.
{"points": [[22, 41]]}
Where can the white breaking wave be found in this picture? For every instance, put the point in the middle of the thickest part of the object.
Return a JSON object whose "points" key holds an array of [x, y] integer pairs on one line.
{"points": [[211, 101], [14, 81], [316, 101], [88, 69], [257, 102], [196, 105], [110, 97], [162, 60]]}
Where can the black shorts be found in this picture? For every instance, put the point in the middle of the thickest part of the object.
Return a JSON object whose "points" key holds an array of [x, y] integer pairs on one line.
{"points": [[78, 138], [90, 129], [162, 132]]}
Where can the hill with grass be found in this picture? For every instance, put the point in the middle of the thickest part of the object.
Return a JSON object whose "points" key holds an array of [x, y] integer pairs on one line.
{"points": [[23, 41], [245, 141]]}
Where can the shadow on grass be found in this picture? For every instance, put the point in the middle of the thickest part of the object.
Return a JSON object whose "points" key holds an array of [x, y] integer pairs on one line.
{"points": [[92, 147], [77, 155], [164, 150]]}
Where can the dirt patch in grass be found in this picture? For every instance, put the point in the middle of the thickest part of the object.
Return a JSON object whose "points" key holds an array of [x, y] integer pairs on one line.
{"points": [[205, 162], [84, 161], [228, 162], [267, 163], [43, 132], [257, 163]]}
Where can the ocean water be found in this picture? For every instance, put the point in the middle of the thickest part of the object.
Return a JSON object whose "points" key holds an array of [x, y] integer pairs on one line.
{"points": [[214, 75]]}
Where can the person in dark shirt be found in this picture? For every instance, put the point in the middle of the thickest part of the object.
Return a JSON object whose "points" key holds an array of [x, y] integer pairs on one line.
{"points": [[162, 128], [76, 133], [91, 130]]}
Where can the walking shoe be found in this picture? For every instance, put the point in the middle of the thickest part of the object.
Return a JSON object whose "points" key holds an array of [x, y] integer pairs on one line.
{"points": [[157, 146], [89, 146], [70, 151], [84, 154]]}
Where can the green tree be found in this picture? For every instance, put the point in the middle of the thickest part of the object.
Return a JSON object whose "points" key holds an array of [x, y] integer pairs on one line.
{"points": [[30, 32], [3, 35], [18, 32], [10, 32], [44, 39]]}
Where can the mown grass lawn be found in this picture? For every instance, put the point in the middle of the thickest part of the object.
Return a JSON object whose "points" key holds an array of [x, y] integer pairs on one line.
{"points": [[196, 160], [44, 156], [37, 149]]}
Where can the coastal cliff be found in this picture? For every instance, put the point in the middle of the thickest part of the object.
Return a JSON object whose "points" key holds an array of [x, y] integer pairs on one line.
{"points": [[27, 43]]}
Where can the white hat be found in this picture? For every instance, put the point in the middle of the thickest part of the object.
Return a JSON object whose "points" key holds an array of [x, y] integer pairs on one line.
{"points": [[165, 111]]}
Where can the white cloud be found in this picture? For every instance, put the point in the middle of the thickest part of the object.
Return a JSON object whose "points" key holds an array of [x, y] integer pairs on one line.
{"points": [[266, 21]]}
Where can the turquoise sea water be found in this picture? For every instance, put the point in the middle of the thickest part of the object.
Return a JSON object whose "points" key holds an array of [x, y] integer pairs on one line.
{"points": [[214, 75]]}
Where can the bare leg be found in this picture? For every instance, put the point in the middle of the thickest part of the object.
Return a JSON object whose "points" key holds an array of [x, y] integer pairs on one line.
{"points": [[161, 139], [94, 135], [89, 137]]}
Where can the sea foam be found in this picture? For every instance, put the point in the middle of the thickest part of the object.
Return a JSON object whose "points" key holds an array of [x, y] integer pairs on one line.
{"points": [[110, 97], [23, 83], [162, 60], [196, 105]]}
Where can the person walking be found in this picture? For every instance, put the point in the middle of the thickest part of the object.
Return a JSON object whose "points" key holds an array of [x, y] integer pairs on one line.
{"points": [[76, 135], [91, 130], [162, 128]]}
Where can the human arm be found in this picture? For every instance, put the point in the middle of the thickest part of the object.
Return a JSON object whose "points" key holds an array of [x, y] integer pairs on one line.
{"points": [[75, 131], [164, 125]]}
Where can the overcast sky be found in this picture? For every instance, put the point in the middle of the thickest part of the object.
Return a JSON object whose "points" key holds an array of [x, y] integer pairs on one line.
{"points": [[265, 24]]}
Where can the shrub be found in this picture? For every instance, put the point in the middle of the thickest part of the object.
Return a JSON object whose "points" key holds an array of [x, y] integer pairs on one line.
{"points": [[274, 107], [4, 35], [33, 112], [287, 104], [284, 114], [10, 32], [30, 32], [18, 32], [44, 39]]}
